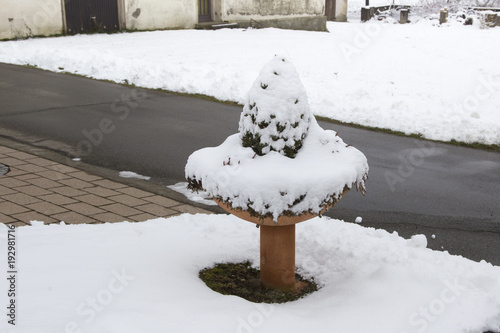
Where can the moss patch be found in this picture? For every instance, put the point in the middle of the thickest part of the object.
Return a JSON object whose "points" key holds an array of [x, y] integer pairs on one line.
{"points": [[241, 279]]}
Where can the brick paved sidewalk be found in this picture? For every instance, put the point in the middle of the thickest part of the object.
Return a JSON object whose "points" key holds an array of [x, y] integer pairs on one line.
{"points": [[40, 189]]}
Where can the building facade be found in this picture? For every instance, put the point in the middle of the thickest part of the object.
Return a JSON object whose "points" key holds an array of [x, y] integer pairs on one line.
{"points": [[20, 19]]}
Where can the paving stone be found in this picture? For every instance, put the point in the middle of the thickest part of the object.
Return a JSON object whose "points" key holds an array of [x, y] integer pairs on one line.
{"points": [[101, 191], [31, 168], [162, 201], [12, 162], [53, 175], [191, 209], [122, 210], [75, 183], [83, 208], [46, 208], [26, 176], [33, 190], [109, 184], [143, 217], [11, 182], [157, 210], [84, 176], [6, 219], [34, 216], [93, 200], [10, 208], [21, 155], [6, 150], [73, 218], [21, 198], [132, 191], [17, 224], [62, 168], [43, 182], [57, 199], [16, 173], [67, 191], [41, 161], [6, 190], [111, 217], [128, 200]]}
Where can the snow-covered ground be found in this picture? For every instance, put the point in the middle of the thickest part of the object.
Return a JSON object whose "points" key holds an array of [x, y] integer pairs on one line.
{"points": [[143, 277], [441, 82]]}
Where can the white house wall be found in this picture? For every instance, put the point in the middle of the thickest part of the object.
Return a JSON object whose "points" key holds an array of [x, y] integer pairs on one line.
{"points": [[160, 14], [24, 18], [239, 10], [341, 11]]}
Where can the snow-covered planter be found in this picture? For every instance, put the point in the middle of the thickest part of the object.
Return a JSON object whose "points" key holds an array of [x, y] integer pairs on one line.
{"points": [[282, 163], [281, 168]]}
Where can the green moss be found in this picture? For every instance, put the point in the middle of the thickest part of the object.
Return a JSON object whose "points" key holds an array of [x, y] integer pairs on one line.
{"points": [[241, 279]]}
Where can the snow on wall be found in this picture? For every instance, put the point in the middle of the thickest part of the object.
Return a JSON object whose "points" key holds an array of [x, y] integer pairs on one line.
{"points": [[265, 9], [30, 18], [161, 14]]}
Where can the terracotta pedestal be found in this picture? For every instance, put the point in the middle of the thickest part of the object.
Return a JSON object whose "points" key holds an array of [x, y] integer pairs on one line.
{"points": [[277, 257], [277, 247]]}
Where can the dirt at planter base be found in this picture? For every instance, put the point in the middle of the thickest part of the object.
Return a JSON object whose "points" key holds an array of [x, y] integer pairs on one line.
{"points": [[241, 279]]}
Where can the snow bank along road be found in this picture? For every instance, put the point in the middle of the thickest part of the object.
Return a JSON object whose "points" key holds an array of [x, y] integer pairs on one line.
{"points": [[439, 81], [415, 186]]}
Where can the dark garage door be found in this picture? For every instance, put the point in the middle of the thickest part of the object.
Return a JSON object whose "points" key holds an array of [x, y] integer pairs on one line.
{"points": [[91, 16]]}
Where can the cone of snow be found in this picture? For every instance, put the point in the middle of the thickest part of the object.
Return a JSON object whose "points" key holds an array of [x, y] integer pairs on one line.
{"points": [[276, 114]]}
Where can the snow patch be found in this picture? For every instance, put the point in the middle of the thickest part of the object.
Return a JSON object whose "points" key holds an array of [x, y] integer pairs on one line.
{"points": [[200, 197], [371, 280], [130, 174]]}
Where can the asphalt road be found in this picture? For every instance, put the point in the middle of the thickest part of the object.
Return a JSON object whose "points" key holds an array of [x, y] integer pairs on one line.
{"points": [[414, 186]]}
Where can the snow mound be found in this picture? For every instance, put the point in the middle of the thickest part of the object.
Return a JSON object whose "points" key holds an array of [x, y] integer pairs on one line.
{"points": [[282, 162], [276, 114], [202, 197], [147, 281], [130, 174]]}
